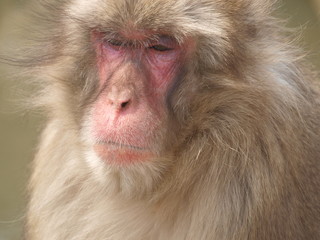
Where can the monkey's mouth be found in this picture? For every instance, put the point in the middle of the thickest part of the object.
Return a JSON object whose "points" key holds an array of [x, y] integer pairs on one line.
{"points": [[121, 145], [118, 153]]}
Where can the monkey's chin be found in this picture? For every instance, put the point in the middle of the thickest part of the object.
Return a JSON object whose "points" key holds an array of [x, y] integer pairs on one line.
{"points": [[122, 154]]}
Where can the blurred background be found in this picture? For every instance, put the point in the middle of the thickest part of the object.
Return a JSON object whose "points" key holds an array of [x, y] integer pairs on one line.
{"points": [[19, 130]]}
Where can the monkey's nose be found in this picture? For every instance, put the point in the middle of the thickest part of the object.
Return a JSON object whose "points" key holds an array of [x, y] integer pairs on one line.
{"points": [[120, 99], [120, 104]]}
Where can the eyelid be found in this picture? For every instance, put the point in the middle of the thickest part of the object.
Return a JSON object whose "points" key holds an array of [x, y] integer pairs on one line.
{"points": [[115, 42], [161, 43], [166, 41], [160, 48]]}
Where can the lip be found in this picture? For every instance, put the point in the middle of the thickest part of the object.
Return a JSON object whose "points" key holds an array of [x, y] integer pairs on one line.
{"points": [[117, 153], [121, 145]]}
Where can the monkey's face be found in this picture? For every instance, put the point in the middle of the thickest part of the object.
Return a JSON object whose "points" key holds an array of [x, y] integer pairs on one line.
{"points": [[129, 115]]}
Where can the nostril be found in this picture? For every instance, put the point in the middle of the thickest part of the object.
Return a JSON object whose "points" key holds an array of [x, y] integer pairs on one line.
{"points": [[124, 104]]}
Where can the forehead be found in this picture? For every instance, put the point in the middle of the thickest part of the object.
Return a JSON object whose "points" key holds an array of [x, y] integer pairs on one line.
{"points": [[135, 10], [132, 8], [179, 16]]}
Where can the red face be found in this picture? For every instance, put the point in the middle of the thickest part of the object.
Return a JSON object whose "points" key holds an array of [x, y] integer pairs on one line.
{"points": [[135, 75]]}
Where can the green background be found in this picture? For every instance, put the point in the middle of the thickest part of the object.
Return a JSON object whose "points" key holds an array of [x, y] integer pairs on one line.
{"points": [[19, 129]]}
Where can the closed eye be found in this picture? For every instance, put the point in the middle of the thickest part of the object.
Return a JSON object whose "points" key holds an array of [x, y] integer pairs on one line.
{"points": [[115, 42], [160, 48]]}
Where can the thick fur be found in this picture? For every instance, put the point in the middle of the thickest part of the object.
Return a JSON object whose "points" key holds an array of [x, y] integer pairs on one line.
{"points": [[242, 143]]}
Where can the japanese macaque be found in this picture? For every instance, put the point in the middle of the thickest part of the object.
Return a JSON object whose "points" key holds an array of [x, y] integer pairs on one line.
{"points": [[173, 120]]}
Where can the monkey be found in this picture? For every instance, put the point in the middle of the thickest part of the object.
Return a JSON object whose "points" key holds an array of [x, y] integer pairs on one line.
{"points": [[172, 120]]}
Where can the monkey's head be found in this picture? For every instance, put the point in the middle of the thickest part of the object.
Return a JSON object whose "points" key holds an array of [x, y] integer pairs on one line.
{"points": [[141, 79]]}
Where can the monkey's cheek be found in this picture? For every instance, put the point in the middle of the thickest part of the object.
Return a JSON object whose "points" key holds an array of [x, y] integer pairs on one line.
{"points": [[122, 156]]}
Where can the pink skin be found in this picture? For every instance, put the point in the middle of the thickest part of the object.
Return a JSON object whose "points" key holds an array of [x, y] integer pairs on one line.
{"points": [[133, 82]]}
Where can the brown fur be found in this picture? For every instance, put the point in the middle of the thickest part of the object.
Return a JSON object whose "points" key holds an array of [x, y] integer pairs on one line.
{"points": [[242, 143]]}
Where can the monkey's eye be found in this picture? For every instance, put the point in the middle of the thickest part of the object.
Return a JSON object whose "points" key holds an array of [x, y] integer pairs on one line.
{"points": [[160, 48], [115, 42]]}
